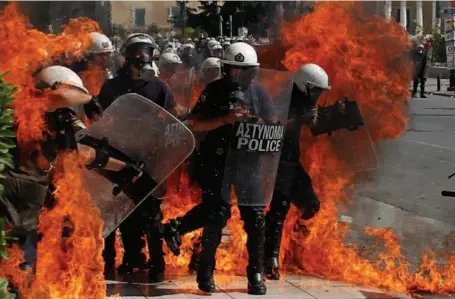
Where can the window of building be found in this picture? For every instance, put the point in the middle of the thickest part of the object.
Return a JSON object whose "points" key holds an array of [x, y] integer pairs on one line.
{"points": [[408, 18], [174, 11], [139, 17]]}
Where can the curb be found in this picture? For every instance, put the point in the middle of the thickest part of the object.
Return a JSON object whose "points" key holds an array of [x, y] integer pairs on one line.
{"points": [[439, 93]]}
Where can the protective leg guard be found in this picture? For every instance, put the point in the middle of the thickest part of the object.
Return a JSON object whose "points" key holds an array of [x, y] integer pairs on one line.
{"points": [[254, 226], [274, 228], [211, 239], [156, 265]]}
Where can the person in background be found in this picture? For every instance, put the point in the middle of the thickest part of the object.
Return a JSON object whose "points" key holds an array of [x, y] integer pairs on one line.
{"points": [[419, 59]]}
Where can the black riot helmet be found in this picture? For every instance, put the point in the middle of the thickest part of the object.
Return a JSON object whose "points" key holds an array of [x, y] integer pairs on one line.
{"points": [[138, 50]]}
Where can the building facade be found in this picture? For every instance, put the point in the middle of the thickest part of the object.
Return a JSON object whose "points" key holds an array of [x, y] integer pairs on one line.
{"points": [[412, 15], [141, 14]]}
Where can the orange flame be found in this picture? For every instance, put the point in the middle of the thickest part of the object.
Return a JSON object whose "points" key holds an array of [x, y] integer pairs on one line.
{"points": [[25, 50], [69, 266], [70, 263], [366, 59], [119, 250], [145, 249], [93, 78]]}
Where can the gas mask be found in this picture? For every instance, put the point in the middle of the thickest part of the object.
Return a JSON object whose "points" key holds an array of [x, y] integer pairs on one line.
{"points": [[141, 58], [241, 76]]}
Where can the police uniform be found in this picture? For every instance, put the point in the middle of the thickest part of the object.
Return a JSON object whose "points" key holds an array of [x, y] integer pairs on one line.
{"points": [[293, 184], [148, 216], [210, 173]]}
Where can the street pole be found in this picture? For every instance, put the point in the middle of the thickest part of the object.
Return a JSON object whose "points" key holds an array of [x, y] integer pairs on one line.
{"points": [[230, 25], [221, 25]]}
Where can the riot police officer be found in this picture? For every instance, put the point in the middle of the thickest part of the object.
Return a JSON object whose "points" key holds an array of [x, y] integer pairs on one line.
{"points": [[25, 186], [293, 184], [214, 116], [169, 63], [210, 70], [137, 76]]}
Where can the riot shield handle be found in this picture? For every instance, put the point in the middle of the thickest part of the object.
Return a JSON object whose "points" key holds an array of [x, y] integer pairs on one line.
{"points": [[128, 178]]}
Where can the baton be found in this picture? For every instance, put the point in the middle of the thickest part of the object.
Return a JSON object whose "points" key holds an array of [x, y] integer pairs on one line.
{"points": [[448, 193]]}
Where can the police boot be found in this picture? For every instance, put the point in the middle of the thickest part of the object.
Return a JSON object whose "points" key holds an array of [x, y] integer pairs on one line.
{"points": [[256, 284], [211, 239], [156, 265], [171, 235], [422, 90], [195, 261], [254, 225], [273, 232], [205, 281], [175, 228]]}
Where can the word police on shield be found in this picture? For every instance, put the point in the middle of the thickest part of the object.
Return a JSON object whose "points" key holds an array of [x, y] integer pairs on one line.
{"points": [[172, 135], [258, 137]]}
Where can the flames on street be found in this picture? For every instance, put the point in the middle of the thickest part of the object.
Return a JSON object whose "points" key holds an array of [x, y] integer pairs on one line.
{"points": [[70, 264], [366, 59]]}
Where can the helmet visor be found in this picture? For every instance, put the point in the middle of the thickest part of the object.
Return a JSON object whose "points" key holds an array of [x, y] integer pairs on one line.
{"points": [[243, 76]]}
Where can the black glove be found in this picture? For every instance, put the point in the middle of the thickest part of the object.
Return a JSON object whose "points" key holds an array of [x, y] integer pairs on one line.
{"points": [[93, 107], [310, 209], [307, 117], [127, 175], [237, 96]]}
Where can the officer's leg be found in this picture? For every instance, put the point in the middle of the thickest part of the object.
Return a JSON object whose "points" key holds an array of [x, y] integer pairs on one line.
{"points": [[218, 214], [254, 225], [132, 229], [153, 215], [274, 220], [415, 84], [109, 254], [175, 228], [303, 195], [422, 87]]}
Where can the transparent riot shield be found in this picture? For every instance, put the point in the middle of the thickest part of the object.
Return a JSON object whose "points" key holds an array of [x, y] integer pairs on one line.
{"points": [[134, 129], [256, 141], [181, 86], [339, 119]]}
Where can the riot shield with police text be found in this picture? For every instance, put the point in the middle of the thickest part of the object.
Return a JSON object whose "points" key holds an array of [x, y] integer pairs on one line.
{"points": [[135, 130], [340, 121], [257, 139], [181, 86]]}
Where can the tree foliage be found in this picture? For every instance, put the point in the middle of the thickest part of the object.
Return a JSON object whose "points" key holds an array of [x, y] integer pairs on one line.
{"points": [[119, 30], [6, 161], [258, 16]]}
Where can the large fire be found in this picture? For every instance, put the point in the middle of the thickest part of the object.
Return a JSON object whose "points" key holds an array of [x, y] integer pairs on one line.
{"points": [[70, 264], [366, 58]]}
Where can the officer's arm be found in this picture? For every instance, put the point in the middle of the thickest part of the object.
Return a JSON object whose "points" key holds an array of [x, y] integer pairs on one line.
{"points": [[89, 155], [197, 124], [200, 119]]}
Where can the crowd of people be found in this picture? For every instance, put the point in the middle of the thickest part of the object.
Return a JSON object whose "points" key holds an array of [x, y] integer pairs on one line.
{"points": [[144, 65]]}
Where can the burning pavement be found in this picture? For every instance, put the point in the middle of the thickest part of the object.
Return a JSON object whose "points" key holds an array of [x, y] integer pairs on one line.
{"points": [[367, 61]]}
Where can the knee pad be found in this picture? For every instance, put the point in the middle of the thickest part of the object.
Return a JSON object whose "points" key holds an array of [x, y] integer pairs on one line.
{"points": [[279, 208], [218, 216], [254, 222]]}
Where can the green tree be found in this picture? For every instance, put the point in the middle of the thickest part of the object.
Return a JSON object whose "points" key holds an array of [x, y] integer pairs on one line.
{"points": [[120, 30], [153, 29], [6, 161], [437, 40]]}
